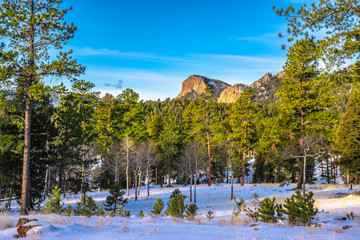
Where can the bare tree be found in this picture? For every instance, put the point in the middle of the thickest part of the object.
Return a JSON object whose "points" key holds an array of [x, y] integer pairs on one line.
{"points": [[128, 147], [313, 144], [192, 160], [141, 162]]}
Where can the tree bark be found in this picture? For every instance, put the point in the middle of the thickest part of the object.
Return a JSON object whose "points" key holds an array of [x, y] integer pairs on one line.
{"points": [[209, 157], [25, 190], [356, 180], [299, 178], [243, 170]]}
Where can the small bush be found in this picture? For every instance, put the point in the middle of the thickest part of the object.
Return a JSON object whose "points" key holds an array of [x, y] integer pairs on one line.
{"points": [[268, 209], [53, 203], [86, 207], [158, 207], [141, 214], [176, 205], [100, 211], [300, 209], [210, 215], [239, 207], [122, 212], [191, 210], [115, 198], [69, 211]]}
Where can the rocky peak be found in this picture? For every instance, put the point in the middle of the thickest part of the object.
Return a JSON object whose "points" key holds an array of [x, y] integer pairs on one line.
{"points": [[194, 85], [230, 94]]}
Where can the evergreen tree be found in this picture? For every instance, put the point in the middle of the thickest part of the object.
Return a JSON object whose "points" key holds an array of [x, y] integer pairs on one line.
{"points": [[303, 102], [206, 122], [243, 115], [115, 198], [348, 136], [32, 28]]}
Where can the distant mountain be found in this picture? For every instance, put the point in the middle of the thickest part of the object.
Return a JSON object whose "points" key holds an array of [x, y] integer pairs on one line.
{"points": [[264, 88], [194, 85]]}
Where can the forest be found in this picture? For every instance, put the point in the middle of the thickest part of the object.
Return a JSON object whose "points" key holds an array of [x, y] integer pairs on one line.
{"points": [[79, 141]]}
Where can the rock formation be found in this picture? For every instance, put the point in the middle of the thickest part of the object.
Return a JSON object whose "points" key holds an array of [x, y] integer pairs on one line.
{"points": [[230, 94], [194, 85]]}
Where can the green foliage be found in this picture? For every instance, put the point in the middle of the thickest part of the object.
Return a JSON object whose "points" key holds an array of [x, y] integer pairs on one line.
{"points": [[158, 207], [300, 209], [100, 211], [210, 215], [239, 207], [53, 203], [120, 211], [268, 209], [176, 205], [115, 198], [141, 214], [191, 210], [348, 135], [68, 211], [86, 207]]}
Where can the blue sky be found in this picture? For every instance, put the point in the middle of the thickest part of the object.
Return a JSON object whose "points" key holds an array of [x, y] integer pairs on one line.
{"points": [[153, 45]]}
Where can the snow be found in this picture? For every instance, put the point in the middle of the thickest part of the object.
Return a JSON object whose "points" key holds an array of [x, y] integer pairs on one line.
{"points": [[333, 202]]}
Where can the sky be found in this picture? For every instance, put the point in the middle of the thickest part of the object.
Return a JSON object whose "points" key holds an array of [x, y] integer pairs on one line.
{"points": [[152, 46]]}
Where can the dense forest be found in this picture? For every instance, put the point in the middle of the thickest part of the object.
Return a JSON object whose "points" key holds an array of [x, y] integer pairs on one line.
{"points": [[73, 138]]}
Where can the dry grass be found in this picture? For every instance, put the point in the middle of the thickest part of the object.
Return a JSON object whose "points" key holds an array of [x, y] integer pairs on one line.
{"points": [[102, 222], [223, 222], [199, 221], [60, 220], [337, 230], [358, 222], [6, 221], [124, 229]]}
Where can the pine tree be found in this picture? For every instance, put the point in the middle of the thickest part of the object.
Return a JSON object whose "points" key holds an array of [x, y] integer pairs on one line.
{"points": [[303, 102], [243, 115], [115, 198], [32, 28], [334, 18], [348, 136], [206, 120]]}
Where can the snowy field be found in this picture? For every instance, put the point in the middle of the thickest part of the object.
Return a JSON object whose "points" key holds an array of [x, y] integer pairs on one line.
{"points": [[333, 201]]}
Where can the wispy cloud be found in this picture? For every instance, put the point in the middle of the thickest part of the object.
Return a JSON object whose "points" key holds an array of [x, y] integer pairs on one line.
{"points": [[87, 51], [268, 59]]}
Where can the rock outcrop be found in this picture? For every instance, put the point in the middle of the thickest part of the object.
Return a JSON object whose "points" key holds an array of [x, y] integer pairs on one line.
{"points": [[230, 94], [194, 85], [264, 88]]}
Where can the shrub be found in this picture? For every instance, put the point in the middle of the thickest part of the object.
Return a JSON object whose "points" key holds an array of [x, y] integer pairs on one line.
{"points": [[69, 211], [176, 205], [239, 207], [86, 207], [191, 210], [115, 198], [53, 203], [300, 209], [253, 213], [158, 207], [268, 209], [210, 215], [141, 214], [100, 211], [122, 212]]}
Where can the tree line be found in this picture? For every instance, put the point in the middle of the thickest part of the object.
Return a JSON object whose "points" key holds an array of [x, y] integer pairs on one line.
{"points": [[76, 140]]}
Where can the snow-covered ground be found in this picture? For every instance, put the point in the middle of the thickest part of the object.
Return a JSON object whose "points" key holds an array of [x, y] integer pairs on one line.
{"points": [[333, 201]]}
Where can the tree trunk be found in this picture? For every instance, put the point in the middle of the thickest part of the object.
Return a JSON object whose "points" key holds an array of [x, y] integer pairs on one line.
{"points": [[156, 176], [127, 170], [209, 157], [148, 180], [299, 178], [232, 187], [191, 183], [135, 179], [25, 190], [304, 176], [356, 180], [243, 170], [139, 183], [169, 172]]}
